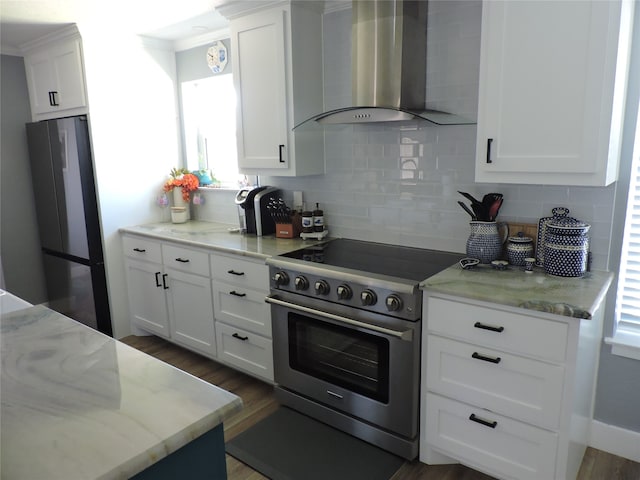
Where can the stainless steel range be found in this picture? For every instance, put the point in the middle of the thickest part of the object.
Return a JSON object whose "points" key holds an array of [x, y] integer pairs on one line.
{"points": [[346, 318]]}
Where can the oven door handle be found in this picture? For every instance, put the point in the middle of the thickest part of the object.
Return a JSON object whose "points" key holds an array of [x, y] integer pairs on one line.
{"points": [[406, 335]]}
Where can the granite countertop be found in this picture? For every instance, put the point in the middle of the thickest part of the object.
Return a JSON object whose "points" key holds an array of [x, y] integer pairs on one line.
{"points": [[571, 297], [219, 236], [78, 404]]}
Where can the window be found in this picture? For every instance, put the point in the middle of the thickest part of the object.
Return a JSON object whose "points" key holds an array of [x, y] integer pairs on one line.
{"points": [[208, 113], [626, 339]]}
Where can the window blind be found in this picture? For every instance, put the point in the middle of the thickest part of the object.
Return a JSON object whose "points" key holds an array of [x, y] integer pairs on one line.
{"points": [[628, 295]]}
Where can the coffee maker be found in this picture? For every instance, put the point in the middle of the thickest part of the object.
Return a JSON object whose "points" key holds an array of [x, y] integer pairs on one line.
{"points": [[253, 215]]}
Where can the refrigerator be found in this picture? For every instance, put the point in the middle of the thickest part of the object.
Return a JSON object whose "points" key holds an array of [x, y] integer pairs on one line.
{"points": [[68, 221]]}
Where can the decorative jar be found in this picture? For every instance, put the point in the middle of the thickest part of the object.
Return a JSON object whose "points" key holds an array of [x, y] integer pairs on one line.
{"points": [[519, 248], [566, 248], [485, 241]]}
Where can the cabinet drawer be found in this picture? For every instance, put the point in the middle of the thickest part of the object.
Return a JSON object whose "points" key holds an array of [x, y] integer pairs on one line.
{"points": [[185, 259], [520, 333], [245, 350], [515, 386], [504, 448], [141, 248], [242, 307], [237, 270]]}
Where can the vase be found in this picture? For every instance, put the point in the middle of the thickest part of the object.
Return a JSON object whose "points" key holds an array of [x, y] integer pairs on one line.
{"points": [[485, 241], [178, 201]]}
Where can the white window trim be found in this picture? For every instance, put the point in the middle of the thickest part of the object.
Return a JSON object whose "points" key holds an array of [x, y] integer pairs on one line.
{"points": [[625, 341]]}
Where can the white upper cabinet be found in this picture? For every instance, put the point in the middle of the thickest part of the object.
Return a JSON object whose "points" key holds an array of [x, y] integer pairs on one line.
{"points": [[552, 83], [55, 77], [277, 72]]}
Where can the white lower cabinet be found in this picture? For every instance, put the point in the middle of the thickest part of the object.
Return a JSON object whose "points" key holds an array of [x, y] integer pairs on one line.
{"points": [[191, 311], [147, 304], [243, 318], [506, 391], [211, 303], [170, 292], [248, 351], [500, 445]]}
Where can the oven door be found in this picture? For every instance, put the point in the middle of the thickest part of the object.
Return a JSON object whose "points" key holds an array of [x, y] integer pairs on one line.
{"points": [[362, 364]]}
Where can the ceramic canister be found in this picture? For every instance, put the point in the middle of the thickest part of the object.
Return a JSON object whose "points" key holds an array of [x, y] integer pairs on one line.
{"points": [[566, 248], [519, 248], [485, 241]]}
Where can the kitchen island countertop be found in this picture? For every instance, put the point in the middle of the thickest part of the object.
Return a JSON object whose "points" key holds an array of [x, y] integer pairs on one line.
{"points": [[219, 236], [77, 404], [577, 297]]}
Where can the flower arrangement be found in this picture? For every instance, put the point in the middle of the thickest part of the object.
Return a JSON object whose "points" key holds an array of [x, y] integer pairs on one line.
{"points": [[180, 177]]}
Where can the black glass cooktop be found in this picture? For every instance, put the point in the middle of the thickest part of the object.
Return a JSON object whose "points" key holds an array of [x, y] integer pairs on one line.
{"points": [[368, 257]]}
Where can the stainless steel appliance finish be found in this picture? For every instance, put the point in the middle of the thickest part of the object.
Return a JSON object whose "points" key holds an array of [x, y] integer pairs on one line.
{"points": [[67, 213], [389, 55], [346, 319]]}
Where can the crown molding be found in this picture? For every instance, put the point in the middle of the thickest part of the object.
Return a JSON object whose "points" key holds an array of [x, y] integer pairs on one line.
{"points": [[202, 39], [70, 31]]}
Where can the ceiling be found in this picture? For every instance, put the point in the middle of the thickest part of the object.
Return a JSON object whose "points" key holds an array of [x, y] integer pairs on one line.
{"points": [[25, 20]]}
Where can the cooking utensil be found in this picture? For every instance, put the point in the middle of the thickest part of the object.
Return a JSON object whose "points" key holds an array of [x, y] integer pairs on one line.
{"points": [[494, 209], [466, 209], [469, 197]]}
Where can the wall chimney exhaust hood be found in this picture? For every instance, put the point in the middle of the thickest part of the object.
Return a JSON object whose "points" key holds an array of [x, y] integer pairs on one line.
{"points": [[389, 56]]}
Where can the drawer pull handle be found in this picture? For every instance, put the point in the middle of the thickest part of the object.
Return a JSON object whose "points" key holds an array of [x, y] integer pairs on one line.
{"points": [[236, 294], [485, 358], [182, 260], [488, 327], [334, 394], [233, 272], [140, 250], [164, 281], [244, 339], [481, 421], [158, 284]]}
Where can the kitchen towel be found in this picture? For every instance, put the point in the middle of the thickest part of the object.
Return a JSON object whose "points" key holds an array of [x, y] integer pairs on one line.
{"points": [[290, 446]]}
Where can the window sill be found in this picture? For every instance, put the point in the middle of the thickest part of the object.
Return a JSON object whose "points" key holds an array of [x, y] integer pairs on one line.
{"points": [[625, 344]]}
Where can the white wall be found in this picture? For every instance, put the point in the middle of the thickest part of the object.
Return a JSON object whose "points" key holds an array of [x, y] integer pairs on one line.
{"points": [[133, 117]]}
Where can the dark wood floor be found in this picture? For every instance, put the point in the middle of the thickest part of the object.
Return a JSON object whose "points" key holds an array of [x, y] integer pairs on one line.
{"points": [[259, 402]]}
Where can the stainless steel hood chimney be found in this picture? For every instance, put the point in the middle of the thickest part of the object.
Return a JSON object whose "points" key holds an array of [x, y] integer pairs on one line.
{"points": [[389, 56]]}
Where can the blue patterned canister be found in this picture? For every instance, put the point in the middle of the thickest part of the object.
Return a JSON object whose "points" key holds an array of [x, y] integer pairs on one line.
{"points": [[566, 249], [519, 248], [485, 241]]}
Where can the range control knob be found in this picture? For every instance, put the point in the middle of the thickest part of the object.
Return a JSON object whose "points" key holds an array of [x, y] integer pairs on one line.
{"points": [[344, 292], [368, 297], [281, 278], [322, 287], [301, 282], [394, 303]]}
